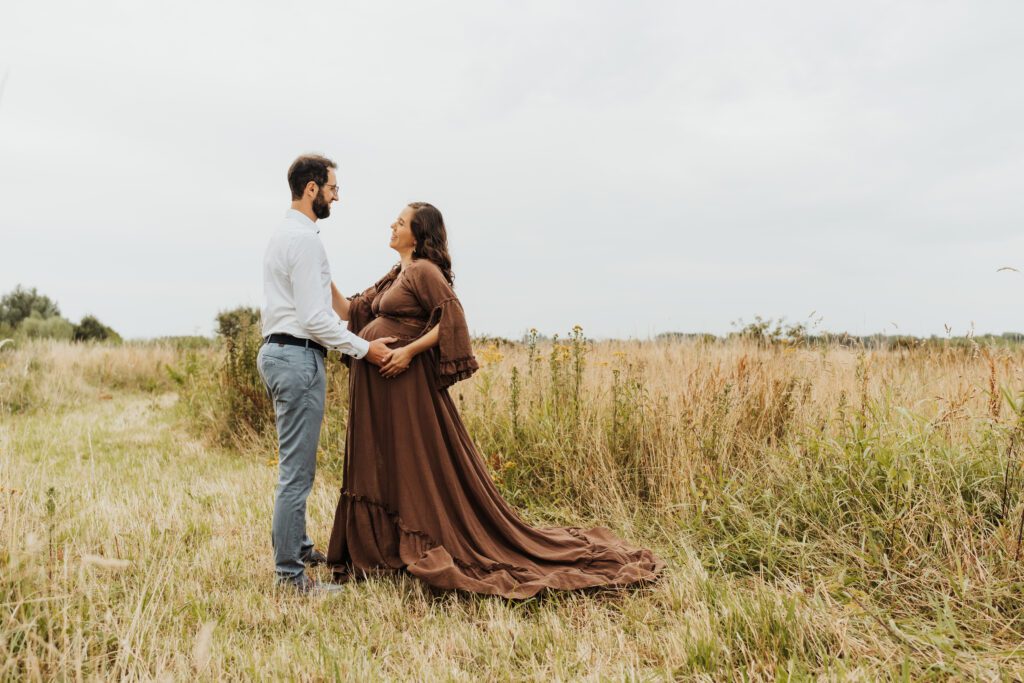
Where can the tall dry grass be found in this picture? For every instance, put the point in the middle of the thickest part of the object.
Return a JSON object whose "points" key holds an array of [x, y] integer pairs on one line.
{"points": [[826, 511], [888, 479], [46, 374]]}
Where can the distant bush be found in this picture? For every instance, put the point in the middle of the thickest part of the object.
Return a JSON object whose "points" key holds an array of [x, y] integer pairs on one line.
{"points": [[22, 303], [27, 314], [37, 327], [91, 329]]}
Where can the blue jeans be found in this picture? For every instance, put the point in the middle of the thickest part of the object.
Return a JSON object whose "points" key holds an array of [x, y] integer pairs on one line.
{"points": [[297, 383]]}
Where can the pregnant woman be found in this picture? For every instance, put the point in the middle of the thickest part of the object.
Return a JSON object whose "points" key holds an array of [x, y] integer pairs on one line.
{"points": [[416, 495]]}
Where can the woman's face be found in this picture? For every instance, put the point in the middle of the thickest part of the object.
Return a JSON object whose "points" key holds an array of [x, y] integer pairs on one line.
{"points": [[401, 232]]}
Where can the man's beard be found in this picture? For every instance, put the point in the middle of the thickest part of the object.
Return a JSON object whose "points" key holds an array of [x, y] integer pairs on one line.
{"points": [[321, 207]]}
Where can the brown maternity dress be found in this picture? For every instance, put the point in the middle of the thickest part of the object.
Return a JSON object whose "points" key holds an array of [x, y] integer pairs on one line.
{"points": [[416, 494]]}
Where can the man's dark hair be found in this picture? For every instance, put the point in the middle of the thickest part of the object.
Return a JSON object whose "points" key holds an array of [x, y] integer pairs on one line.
{"points": [[308, 167]]}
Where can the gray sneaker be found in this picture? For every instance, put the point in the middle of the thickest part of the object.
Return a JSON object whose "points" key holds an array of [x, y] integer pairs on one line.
{"points": [[307, 586]]}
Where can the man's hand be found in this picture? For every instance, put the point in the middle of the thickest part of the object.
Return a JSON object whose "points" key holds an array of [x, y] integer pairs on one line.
{"points": [[379, 353]]}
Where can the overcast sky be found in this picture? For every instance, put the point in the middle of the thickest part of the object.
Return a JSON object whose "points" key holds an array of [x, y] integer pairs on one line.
{"points": [[633, 167]]}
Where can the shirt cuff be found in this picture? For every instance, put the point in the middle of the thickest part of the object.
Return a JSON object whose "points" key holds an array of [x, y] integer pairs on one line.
{"points": [[361, 346]]}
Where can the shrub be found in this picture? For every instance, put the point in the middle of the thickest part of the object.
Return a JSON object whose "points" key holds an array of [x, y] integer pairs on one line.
{"points": [[91, 329], [244, 393], [21, 303], [37, 327]]}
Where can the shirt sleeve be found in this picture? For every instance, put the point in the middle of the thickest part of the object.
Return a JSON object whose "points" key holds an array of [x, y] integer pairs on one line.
{"points": [[312, 305]]}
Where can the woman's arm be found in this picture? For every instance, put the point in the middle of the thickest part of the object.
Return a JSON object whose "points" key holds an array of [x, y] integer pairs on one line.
{"points": [[402, 357], [338, 302]]}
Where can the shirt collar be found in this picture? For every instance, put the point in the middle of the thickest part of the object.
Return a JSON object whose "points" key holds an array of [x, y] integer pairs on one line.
{"points": [[301, 219]]}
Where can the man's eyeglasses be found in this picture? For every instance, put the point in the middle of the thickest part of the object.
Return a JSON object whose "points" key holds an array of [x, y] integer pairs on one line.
{"points": [[332, 188]]}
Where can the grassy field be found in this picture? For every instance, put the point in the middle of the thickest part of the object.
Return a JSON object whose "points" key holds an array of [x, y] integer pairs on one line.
{"points": [[826, 513]]}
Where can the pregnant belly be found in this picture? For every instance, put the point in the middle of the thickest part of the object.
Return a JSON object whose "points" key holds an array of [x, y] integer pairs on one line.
{"points": [[406, 330]]}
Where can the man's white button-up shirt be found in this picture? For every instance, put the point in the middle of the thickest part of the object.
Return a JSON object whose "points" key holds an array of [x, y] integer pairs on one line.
{"points": [[297, 288]]}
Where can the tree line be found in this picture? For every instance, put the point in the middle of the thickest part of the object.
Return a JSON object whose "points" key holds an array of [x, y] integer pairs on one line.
{"points": [[27, 314]]}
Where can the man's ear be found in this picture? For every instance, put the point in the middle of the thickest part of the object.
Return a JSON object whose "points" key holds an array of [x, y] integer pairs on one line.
{"points": [[311, 186]]}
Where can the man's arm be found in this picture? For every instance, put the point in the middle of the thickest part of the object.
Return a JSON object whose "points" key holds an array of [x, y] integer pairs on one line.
{"points": [[320, 322], [378, 353], [338, 302]]}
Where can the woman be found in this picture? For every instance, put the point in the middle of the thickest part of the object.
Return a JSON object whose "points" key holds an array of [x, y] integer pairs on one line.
{"points": [[416, 494]]}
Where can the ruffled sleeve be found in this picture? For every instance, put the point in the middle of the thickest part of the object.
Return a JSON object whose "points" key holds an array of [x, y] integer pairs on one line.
{"points": [[454, 360]]}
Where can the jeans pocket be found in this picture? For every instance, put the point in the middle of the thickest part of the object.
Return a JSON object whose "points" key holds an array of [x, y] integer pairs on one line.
{"points": [[272, 369], [315, 374], [275, 354]]}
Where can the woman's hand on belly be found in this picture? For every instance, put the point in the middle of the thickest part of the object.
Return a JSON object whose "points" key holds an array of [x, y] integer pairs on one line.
{"points": [[399, 363]]}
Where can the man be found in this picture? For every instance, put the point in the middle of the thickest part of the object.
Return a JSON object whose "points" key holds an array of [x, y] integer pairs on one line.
{"points": [[298, 326]]}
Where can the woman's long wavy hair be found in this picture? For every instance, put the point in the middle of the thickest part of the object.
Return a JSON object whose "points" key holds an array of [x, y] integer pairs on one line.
{"points": [[431, 237]]}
